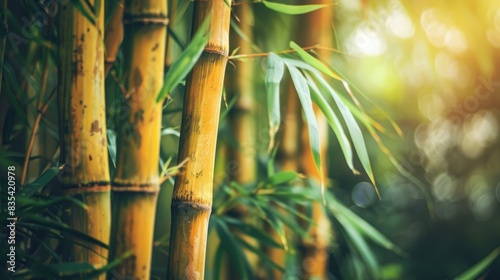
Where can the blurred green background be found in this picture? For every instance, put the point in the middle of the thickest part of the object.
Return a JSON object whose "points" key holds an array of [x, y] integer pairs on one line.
{"points": [[434, 67]]}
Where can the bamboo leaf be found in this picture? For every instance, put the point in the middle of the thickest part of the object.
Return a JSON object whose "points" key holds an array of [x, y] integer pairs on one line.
{"points": [[185, 62], [475, 271], [281, 177], [277, 224], [334, 123], [353, 127], [304, 94], [259, 253], [274, 74], [293, 9], [347, 83], [219, 254], [233, 249], [362, 226], [36, 221], [12, 95], [251, 231], [40, 182], [361, 247], [314, 62], [112, 146]]}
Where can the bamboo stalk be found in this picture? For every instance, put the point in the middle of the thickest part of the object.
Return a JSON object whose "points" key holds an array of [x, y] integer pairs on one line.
{"points": [[83, 129], [242, 123], [113, 36], [192, 197], [287, 158], [136, 181], [313, 249]]}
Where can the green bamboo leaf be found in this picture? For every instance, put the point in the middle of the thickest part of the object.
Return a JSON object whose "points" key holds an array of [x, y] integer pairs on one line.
{"points": [[347, 84], [334, 123], [219, 254], [257, 251], [274, 74], [360, 246], [362, 226], [304, 94], [251, 231], [282, 177], [353, 127], [314, 62], [112, 146], [272, 215], [11, 93], [27, 205], [40, 182], [233, 249], [185, 62], [475, 271], [35, 221], [299, 194], [293, 9]]}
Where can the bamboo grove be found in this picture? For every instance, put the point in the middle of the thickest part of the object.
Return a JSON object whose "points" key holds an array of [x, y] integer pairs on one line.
{"points": [[118, 77]]}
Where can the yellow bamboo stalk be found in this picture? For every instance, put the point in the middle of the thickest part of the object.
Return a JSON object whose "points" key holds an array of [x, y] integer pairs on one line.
{"points": [[313, 249], [242, 123], [287, 157], [192, 197], [83, 129], [113, 36], [136, 182]]}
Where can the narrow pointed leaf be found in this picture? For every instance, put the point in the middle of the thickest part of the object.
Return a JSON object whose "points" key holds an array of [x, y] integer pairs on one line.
{"points": [[185, 62], [362, 226], [293, 9], [314, 61], [475, 271], [353, 127], [304, 94], [334, 123], [274, 74], [361, 247], [282, 177]]}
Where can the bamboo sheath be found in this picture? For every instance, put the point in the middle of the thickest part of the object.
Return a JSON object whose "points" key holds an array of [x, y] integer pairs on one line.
{"points": [[192, 196], [136, 184], [83, 130]]}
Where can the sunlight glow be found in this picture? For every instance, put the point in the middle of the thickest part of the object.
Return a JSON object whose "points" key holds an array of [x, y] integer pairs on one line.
{"points": [[400, 25], [367, 40]]}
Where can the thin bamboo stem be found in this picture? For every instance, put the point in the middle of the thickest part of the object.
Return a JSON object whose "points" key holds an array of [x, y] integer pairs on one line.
{"points": [[242, 123], [136, 181], [83, 129], [192, 197], [313, 249], [113, 36]]}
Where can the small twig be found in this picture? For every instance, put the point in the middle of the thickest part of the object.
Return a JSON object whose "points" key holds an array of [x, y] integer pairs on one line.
{"points": [[34, 131], [253, 55], [118, 82], [176, 170]]}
